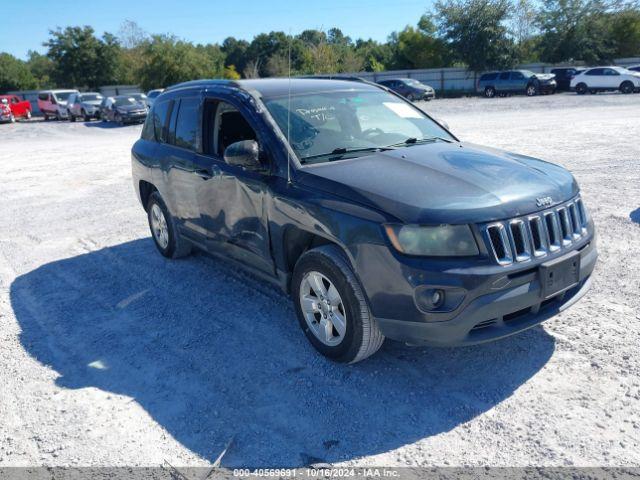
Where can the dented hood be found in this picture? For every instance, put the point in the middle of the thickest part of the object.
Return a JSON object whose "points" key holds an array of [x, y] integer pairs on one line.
{"points": [[444, 183]]}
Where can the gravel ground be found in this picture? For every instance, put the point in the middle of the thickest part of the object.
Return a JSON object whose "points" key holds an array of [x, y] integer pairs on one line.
{"points": [[112, 355]]}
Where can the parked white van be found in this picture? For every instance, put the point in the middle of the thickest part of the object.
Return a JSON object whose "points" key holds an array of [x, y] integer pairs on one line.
{"points": [[53, 103]]}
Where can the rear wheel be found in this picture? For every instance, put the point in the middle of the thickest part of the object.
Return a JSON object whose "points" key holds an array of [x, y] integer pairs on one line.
{"points": [[331, 307], [581, 88], [163, 229], [489, 92], [626, 87]]}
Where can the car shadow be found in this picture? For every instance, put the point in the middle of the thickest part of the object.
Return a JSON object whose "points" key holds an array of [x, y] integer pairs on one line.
{"points": [[635, 216], [212, 354], [106, 125]]}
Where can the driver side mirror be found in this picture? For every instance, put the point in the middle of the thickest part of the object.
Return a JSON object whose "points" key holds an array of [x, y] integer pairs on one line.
{"points": [[245, 154]]}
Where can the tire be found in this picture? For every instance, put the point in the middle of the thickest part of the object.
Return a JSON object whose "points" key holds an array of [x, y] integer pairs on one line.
{"points": [[118, 120], [72, 118], [28, 116], [46, 117], [411, 97], [489, 92], [581, 88], [627, 87], [175, 246], [12, 118], [531, 90], [360, 336], [87, 118]]}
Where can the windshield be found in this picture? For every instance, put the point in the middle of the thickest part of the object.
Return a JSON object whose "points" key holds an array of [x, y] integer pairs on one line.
{"points": [[415, 83], [338, 121], [121, 102], [527, 73], [153, 94], [90, 97], [63, 96]]}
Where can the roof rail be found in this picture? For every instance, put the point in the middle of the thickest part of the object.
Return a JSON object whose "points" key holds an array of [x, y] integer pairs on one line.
{"points": [[201, 83], [349, 78]]}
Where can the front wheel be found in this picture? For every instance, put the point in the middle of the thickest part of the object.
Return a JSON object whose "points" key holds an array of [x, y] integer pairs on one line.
{"points": [[489, 92], [163, 229], [331, 306], [531, 90], [28, 115], [627, 87]]}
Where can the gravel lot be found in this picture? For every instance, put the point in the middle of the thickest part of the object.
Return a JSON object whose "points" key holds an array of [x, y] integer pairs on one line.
{"points": [[112, 355]]}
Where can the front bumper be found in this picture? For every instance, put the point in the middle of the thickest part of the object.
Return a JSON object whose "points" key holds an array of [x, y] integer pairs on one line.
{"points": [[134, 118], [547, 87], [498, 302]]}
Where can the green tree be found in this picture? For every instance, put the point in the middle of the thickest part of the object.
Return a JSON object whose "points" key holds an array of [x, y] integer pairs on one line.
{"points": [[168, 60], [81, 59], [235, 52], [625, 32], [477, 33], [41, 68], [575, 30], [418, 47], [15, 74]]}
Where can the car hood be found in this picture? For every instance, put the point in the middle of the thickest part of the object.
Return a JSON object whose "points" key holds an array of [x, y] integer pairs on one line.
{"points": [[92, 103], [445, 183], [545, 76]]}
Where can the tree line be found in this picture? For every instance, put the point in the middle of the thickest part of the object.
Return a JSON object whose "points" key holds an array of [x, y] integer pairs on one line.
{"points": [[478, 34]]}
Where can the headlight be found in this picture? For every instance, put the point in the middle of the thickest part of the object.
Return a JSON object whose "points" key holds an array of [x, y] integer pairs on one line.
{"points": [[440, 241]]}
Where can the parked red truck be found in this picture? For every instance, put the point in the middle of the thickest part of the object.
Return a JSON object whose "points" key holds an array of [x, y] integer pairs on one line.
{"points": [[18, 108]]}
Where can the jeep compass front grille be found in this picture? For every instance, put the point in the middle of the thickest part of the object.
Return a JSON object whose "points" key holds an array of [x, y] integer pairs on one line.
{"points": [[537, 235]]}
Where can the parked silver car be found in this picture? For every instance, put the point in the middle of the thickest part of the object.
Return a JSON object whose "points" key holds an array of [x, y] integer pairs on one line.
{"points": [[84, 105]]}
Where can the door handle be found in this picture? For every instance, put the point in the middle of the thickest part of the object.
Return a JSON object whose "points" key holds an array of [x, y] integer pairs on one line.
{"points": [[203, 173]]}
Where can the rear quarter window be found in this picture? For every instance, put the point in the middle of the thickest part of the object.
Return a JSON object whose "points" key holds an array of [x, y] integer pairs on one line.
{"points": [[159, 118], [187, 123]]}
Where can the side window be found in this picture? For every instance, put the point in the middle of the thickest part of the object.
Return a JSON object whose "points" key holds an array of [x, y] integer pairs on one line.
{"points": [[159, 115], [230, 126], [43, 96], [517, 76], [504, 76], [595, 71], [610, 71], [187, 123]]}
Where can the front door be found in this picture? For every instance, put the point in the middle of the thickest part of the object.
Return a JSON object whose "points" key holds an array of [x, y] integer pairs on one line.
{"points": [[232, 203]]}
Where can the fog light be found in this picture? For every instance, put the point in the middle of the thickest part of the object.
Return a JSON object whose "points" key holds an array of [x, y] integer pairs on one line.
{"points": [[437, 298], [434, 300]]}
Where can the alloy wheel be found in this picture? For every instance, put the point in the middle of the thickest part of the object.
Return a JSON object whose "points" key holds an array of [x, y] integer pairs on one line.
{"points": [[159, 226], [323, 308]]}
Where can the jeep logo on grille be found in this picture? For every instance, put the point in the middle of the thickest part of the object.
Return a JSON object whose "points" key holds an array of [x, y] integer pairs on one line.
{"points": [[544, 201]]}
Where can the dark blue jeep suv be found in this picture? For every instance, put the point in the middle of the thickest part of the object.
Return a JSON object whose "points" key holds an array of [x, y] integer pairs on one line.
{"points": [[377, 220]]}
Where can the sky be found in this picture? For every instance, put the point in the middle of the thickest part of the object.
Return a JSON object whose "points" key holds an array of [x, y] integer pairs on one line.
{"points": [[203, 21]]}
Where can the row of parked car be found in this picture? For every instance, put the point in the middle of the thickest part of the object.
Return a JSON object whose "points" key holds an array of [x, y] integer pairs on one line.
{"points": [[73, 105], [580, 80]]}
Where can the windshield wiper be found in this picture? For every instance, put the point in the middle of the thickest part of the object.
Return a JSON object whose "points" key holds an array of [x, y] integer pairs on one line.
{"points": [[416, 141], [341, 151]]}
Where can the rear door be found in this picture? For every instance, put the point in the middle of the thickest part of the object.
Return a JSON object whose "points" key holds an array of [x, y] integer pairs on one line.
{"points": [[503, 82], [517, 81], [177, 126]]}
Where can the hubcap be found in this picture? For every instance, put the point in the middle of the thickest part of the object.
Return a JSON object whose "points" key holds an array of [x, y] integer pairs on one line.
{"points": [[159, 226], [323, 309]]}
